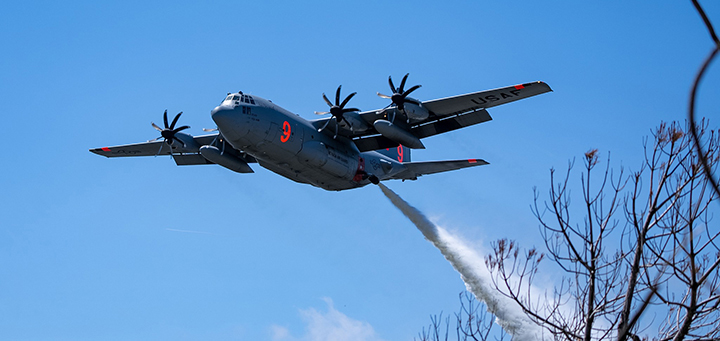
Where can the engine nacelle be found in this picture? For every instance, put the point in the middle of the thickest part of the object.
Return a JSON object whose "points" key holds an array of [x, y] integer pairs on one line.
{"points": [[415, 112], [188, 140], [397, 134], [227, 160], [357, 124]]}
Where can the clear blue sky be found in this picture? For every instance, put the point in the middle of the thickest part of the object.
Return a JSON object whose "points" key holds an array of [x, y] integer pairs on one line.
{"points": [[93, 248]]}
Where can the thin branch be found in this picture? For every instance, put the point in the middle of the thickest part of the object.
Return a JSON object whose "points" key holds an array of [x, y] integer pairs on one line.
{"points": [[693, 95]]}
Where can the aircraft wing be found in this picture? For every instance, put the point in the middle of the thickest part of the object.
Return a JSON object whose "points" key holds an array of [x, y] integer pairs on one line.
{"points": [[150, 148], [447, 114], [182, 155], [484, 99], [135, 149], [415, 169]]}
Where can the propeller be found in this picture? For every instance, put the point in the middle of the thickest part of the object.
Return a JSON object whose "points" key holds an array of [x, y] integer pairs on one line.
{"points": [[399, 96], [169, 132], [337, 110]]}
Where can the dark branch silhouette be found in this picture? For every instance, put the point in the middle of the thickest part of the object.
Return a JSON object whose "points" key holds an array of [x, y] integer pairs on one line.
{"points": [[644, 243], [693, 95]]}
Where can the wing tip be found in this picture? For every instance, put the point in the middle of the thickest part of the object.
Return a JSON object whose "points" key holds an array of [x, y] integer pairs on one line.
{"points": [[525, 85], [100, 151], [478, 162], [546, 85]]}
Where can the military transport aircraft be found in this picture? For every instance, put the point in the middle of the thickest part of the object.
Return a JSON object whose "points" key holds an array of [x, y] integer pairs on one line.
{"points": [[348, 149]]}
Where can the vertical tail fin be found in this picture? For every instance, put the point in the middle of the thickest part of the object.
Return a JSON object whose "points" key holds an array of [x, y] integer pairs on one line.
{"points": [[399, 153]]}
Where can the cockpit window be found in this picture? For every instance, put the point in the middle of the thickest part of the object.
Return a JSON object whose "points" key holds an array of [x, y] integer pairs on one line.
{"points": [[240, 97]]}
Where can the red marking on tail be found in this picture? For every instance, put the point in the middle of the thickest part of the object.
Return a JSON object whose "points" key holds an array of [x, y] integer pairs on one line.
{"points": [[105, 149], [472, 161], [519, 87]]}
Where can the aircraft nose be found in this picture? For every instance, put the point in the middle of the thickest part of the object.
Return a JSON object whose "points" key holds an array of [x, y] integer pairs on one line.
{"points": [[221, 115]]}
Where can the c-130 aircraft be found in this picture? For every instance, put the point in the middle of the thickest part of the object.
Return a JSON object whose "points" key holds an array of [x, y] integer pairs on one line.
{"points": [[346, 150]]}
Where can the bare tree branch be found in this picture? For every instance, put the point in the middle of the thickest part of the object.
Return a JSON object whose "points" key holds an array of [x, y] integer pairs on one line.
{"points": [[693, 96]]}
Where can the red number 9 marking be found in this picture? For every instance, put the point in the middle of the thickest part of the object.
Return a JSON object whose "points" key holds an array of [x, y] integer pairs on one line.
{"points": [[286, 132], [400, 153]]}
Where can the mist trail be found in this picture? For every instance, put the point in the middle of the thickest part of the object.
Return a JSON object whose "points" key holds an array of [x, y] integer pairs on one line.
{"points": [[473, 272]]}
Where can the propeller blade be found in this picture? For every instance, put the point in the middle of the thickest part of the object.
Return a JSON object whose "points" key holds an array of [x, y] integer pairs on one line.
{"points": [[402, 84], [347, 99], [172, 125], [327, 100], [348, 123], [325, 126], [180, 129], [159, 150], [337, 96], [179, 140], [392, 86], [165, 118], [156, 127], [411, 90], [383, 96], [337, 128], [337, 110]]}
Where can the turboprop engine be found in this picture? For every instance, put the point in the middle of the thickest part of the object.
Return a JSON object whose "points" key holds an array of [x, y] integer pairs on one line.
{"points": [[410, 107], [415, 112]]}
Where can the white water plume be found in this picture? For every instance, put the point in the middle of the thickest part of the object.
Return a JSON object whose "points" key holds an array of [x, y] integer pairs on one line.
{"points": [[472, 270]]}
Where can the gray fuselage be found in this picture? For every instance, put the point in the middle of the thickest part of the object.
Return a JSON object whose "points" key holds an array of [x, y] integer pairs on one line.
{"points": [[291, 146]]}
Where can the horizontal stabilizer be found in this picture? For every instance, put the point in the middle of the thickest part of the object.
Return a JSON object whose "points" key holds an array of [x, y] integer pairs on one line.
{"points": [[415, 169]]}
